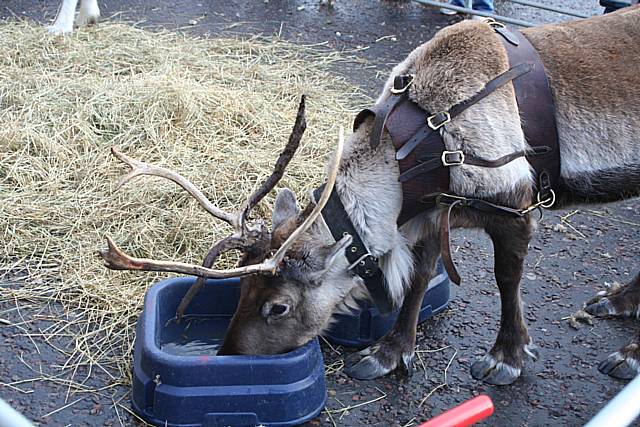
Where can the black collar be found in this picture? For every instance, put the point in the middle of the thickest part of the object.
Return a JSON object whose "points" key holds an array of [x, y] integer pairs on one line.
{"points": [[361, 261]]}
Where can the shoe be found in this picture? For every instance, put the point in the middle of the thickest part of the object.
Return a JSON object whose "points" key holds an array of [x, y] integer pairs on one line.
{"points": [[478, 18], [448, 12]]}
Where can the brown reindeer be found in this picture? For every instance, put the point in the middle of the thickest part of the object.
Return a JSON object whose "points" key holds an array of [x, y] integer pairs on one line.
{"points": [[592, 68]]}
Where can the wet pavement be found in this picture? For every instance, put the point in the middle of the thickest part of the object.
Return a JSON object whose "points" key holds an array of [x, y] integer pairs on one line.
{"points": [[572, 256]]}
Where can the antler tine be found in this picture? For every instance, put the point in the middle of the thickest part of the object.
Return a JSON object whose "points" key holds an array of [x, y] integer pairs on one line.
{"points": [[315, 213], [224, 245], [116, 259], [139, 168], [285, 157]]}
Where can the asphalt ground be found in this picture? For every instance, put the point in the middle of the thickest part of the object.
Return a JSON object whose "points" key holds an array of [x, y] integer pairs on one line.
{"points": [[574, 254]]}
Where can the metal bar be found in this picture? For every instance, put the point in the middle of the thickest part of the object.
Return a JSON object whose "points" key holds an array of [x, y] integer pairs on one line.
{"points": [[476, 12], [9, 417], [621, 410], [551, 8]]}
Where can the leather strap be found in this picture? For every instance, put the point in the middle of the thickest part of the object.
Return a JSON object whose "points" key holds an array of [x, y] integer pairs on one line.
{"points": [[537, 110], [381, 114], [431, 161], [445, 249], [361, 261], [496, 83]]}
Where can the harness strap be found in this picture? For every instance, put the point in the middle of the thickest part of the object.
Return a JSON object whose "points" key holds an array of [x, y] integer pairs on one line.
{"points": [[431, 161], [536, 104], [445, 249], [360, 259], [437, 120], [381, 113]]}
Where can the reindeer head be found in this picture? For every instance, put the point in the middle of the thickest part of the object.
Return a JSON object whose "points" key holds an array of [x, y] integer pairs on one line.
{"points": [[279, 312], [282, 303]]}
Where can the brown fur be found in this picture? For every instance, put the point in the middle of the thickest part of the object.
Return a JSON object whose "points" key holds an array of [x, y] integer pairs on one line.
{"points": [[593, 70]]}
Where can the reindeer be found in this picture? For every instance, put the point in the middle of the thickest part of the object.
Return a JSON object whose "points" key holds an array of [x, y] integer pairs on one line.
{"points": [[88, 15], [592, 68]]}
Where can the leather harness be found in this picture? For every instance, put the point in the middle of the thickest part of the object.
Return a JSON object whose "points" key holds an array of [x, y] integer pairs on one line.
{"points": [[424, 160]]}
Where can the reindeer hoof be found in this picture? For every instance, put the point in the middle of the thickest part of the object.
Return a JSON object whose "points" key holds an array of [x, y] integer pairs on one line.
{"points": [[380, 359], [601, 308], [367, 368], [617, 365], [493, 372], [406, 365]]}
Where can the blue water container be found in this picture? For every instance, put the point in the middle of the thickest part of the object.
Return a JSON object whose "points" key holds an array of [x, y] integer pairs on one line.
{"points": [[363, 328], [178, 384]]}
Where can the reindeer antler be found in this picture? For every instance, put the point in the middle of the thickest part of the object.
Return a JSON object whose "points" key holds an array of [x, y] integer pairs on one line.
{"points": [[245, 236], [237, 220], [116, 259]]}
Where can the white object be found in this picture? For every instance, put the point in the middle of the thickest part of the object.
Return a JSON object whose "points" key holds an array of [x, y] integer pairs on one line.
{"points": [[89, 14], [9, 417], [621, 410]]}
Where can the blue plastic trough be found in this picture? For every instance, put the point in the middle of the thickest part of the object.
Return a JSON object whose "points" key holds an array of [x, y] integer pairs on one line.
{"points": [[178, 382], [363, 328]]}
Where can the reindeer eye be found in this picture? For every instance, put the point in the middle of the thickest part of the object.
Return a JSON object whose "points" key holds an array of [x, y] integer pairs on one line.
{"points": [[274, 312], [279, 309]]}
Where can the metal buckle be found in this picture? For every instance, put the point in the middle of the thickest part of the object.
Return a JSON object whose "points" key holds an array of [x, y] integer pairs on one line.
{"points": [[446, 162], [403, 89], [493, 23], [549, 202], [436, 126]]}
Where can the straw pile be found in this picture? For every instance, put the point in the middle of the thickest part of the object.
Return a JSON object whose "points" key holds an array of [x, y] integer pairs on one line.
{"points": [[217, 111]]}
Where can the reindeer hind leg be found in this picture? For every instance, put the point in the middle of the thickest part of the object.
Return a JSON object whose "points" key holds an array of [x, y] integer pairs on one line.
{"points": [[623, 301], [624, 363]]}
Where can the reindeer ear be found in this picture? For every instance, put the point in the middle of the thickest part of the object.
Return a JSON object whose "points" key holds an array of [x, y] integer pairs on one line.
{"points": [[337, 251], [285, 208]]}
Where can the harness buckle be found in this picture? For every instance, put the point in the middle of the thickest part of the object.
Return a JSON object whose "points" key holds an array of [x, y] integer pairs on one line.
{"points": [[438, 120], [493, 23], [401, 83], [448, 158]]}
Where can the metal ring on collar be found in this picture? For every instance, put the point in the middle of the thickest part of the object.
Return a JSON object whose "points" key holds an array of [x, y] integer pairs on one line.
{"points": [[549, 202]]}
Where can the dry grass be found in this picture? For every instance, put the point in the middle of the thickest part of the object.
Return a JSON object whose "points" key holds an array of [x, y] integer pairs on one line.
{"points": [[217, 111]]}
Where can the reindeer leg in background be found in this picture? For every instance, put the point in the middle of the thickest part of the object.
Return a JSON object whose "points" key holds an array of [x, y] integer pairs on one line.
{"points": [[89, 13], [624, 363], [503, 364], [623, 301], [396, 349], [64, 19]]}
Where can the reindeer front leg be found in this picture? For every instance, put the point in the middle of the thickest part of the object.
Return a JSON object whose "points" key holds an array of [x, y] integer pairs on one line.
{"points": [[396, 349], [503, 364]]}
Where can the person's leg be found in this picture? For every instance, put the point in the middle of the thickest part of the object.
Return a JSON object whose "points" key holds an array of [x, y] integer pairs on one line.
{"points": [[452, 12], [483, 5]]}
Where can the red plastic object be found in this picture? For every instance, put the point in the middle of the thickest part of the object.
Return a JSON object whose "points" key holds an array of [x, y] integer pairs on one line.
{"points": [[466, 414]]}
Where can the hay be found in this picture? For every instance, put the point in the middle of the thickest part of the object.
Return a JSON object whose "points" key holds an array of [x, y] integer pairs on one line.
{"points": [[218, 111]]}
